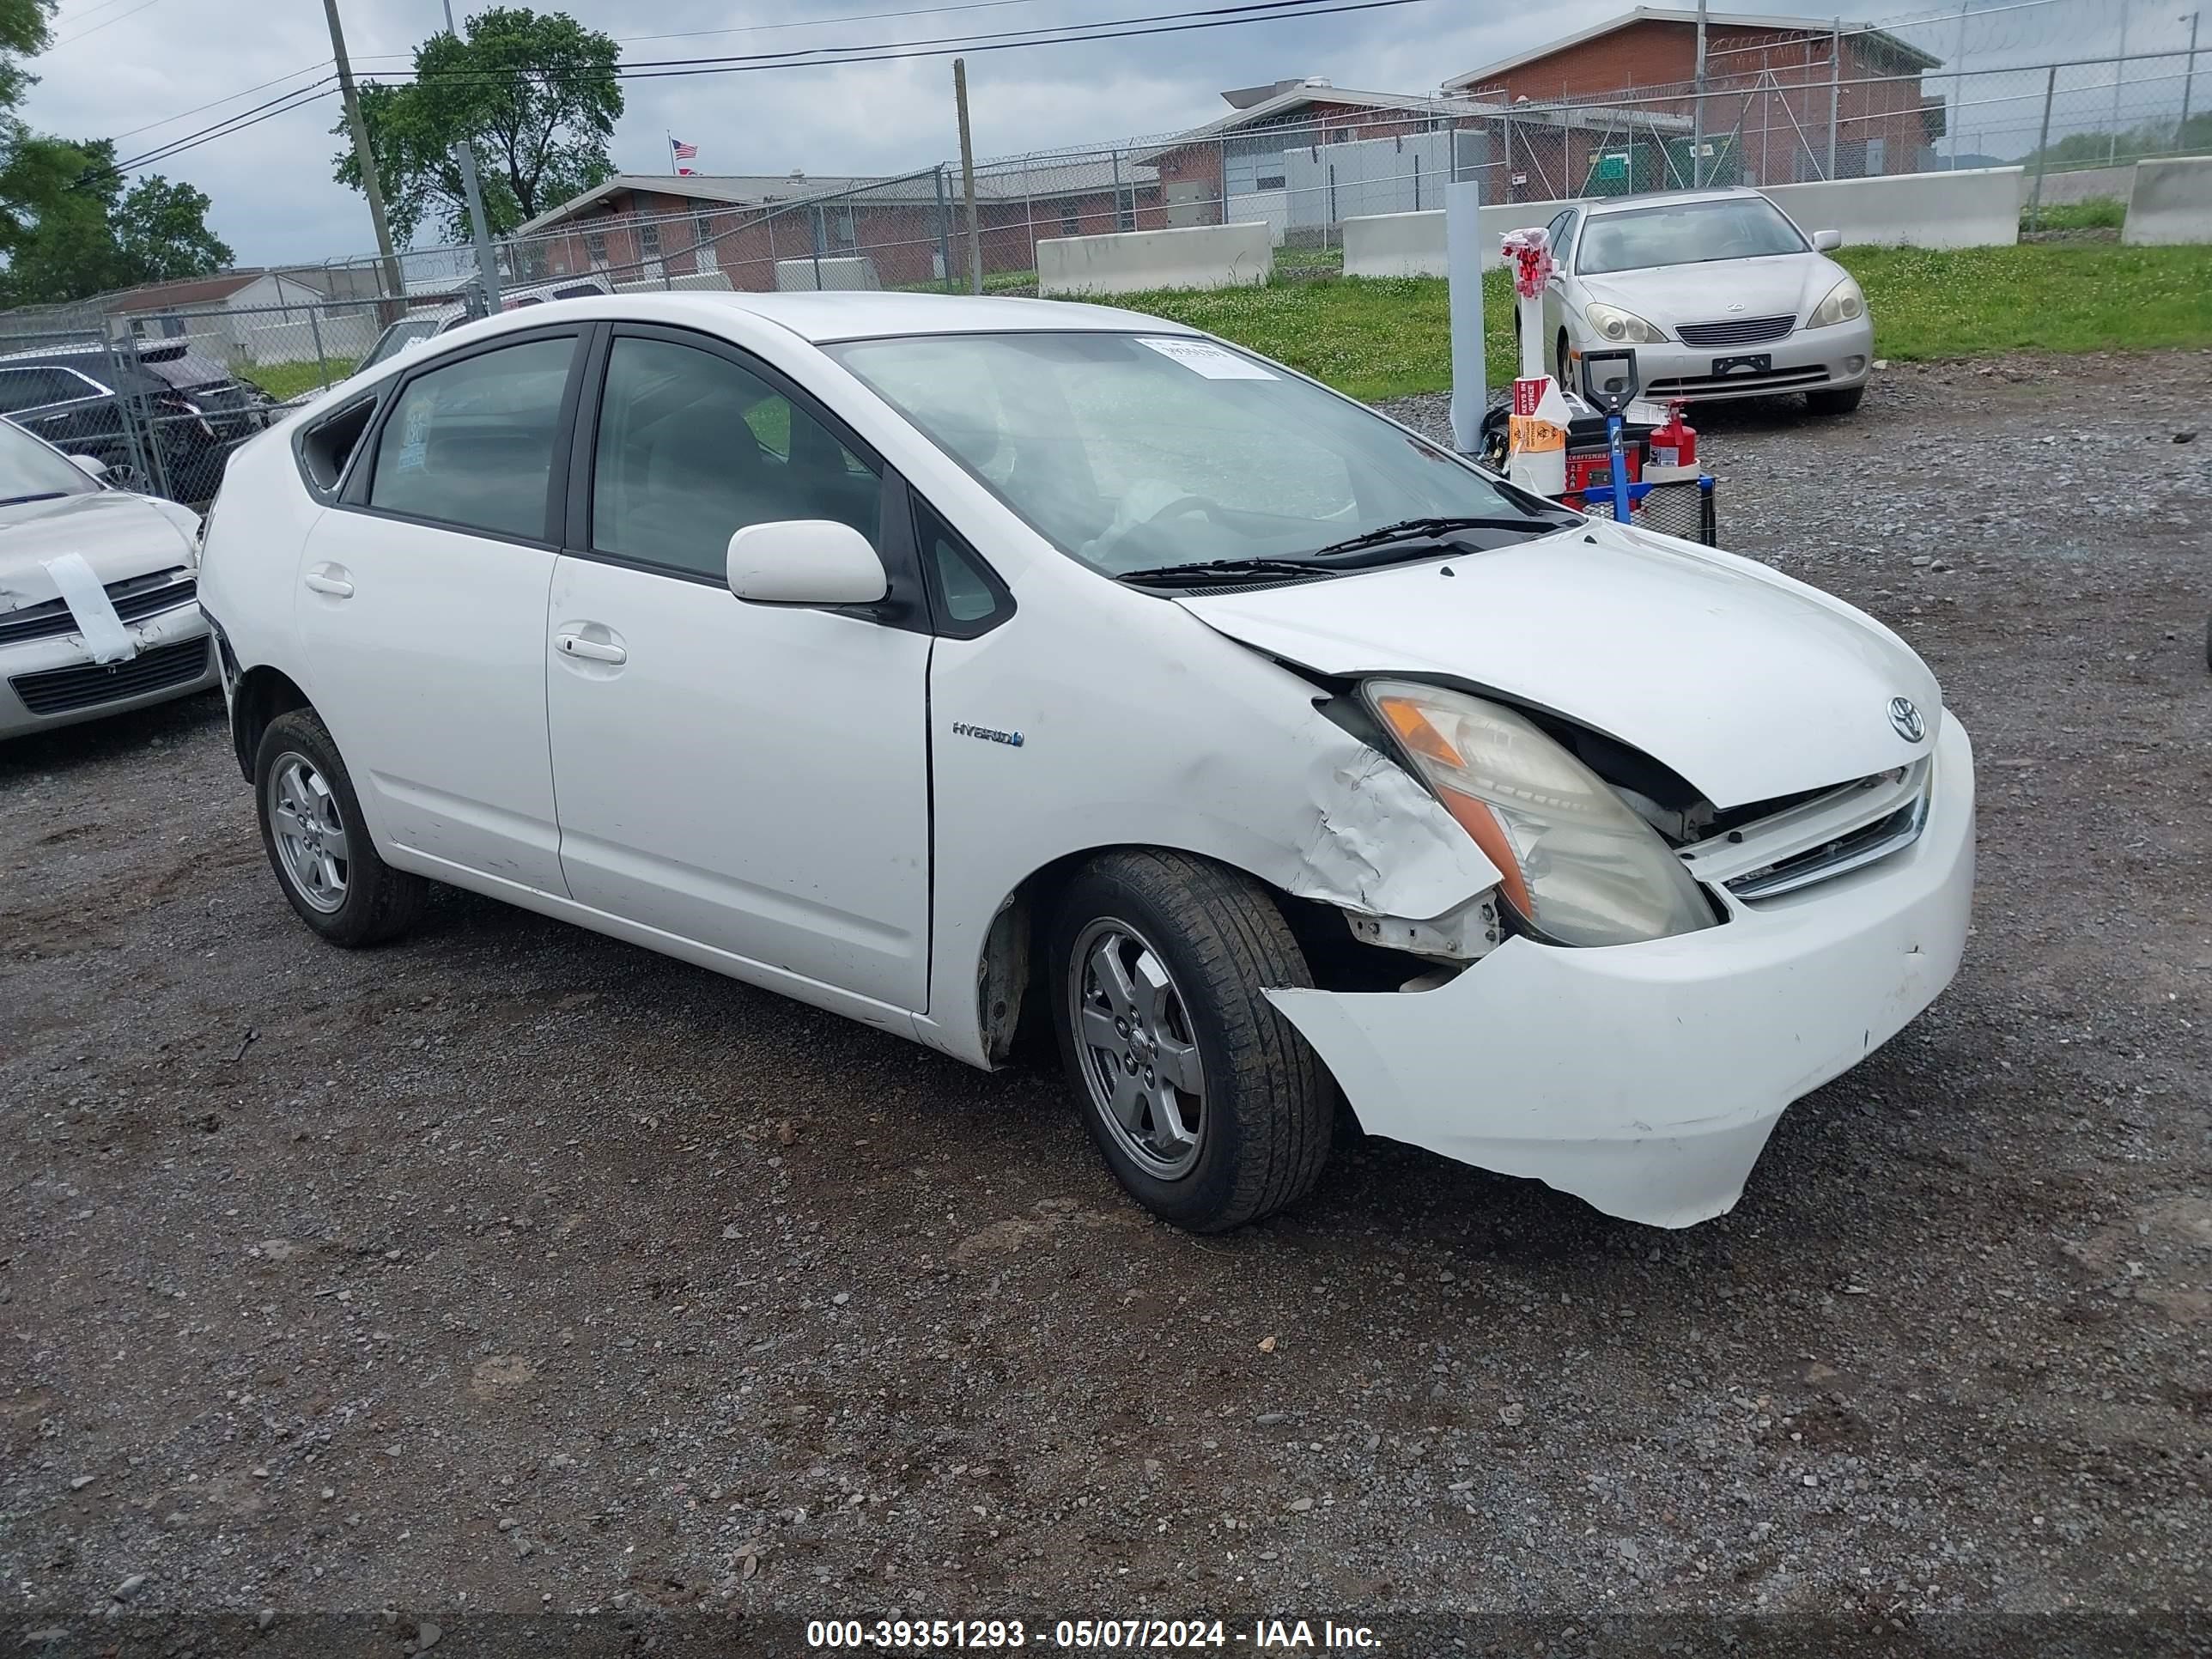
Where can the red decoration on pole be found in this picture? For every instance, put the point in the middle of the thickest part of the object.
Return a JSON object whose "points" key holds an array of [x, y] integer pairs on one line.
{"points": [[1530, 253]]}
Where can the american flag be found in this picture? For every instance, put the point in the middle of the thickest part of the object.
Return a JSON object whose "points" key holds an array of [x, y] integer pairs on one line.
{"points": [[684, 152]]}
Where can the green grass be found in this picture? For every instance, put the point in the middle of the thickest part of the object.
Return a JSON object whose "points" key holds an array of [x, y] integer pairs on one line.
{"points": [[2097, 213], [283, 380], [1385, 337], [1929, 304]]}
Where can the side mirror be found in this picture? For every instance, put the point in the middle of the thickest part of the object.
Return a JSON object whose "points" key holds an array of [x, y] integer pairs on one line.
{"points": [[1828, 241], [805, 561], [92, 466]]}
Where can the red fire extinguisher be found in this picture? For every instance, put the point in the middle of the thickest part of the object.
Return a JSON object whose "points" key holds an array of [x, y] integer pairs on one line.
{"points": [[1673, 448]]}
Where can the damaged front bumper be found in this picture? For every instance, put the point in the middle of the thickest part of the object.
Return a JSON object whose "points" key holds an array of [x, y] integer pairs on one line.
{"points": [[1646, 1077]]}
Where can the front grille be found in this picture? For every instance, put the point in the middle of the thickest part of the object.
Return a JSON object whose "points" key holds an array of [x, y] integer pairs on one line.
{"points": [[1859, 847], [1736, 330], [135, 600], [1699, 385], [63, 690]]}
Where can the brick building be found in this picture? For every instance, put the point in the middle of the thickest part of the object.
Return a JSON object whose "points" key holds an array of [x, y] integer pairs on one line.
{"points": [[795, 231], [1776, 86]]}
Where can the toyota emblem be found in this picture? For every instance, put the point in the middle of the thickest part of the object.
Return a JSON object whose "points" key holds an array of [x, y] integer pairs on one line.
{"points": [[1906, 719]]}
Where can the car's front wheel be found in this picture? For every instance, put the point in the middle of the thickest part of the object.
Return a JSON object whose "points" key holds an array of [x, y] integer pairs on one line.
{"points": [[1207, 1104], [1835, 401], [317, 842]]}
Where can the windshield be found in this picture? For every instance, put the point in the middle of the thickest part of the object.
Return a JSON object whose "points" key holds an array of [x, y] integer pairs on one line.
{"points": [[1132, 451], [406, 332], [1686, 234], [28, 469]]}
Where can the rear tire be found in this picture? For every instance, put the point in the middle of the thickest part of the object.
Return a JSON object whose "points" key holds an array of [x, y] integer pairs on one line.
{"points": [[317, 842], [1198, 944], [1841, 402]]}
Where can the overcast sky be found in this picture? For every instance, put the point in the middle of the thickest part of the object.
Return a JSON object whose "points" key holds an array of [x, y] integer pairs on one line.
{"points": [[121, 65]]}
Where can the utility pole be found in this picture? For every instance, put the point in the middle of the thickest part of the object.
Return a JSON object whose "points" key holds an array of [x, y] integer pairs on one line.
{"points": [[967, 178], [487, 266], [2188, 84], [371, 185], [1697, 108]]}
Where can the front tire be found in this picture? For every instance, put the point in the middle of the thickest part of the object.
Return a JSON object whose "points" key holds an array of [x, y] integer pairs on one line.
{"points": [[317, 842], [1834, 402], [1206, 1103]]}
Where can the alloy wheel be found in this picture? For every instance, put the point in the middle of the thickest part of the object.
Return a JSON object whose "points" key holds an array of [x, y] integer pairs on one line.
{"points": [[309, 832], [1140, 1054]]}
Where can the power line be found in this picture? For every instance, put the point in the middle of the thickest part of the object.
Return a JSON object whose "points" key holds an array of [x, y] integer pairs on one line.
{"points": [[1257, 11], [883, 50], [103, 23], [765, 29], [214, 103], [282, 104]]}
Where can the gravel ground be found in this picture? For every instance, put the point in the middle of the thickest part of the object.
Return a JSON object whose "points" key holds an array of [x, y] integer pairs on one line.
{"points": [[511, 1269]]}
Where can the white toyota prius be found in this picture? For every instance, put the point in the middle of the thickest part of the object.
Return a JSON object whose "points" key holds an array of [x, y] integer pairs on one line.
{"points": [[960, 664]]}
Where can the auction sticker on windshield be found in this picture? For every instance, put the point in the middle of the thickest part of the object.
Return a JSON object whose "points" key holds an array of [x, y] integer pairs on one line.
{"points": [[1209, 360]]}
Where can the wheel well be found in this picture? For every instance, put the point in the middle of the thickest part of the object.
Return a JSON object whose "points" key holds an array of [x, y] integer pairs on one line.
{"points": [[263, 694], [1014, 1000]]}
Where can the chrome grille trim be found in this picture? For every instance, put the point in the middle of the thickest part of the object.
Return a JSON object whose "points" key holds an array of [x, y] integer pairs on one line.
{"points": [[1869, 844], [1736, 330]]}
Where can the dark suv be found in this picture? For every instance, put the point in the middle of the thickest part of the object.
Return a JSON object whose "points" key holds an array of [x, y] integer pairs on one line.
{"points": [[188, 407]]}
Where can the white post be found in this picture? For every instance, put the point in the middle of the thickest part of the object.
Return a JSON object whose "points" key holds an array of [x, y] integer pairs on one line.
{"points": [[1463, 261]]}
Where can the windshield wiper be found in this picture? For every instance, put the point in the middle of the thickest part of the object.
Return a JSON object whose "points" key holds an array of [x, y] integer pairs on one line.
{"points": [[1429, 529], [42, 496], [1207, 569]]}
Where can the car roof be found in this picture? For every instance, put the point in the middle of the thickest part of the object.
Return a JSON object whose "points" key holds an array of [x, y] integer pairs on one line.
{"points": [[822, 317], [1670, 197]]}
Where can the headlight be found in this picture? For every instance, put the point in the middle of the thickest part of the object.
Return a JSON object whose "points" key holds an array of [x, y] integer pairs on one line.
{"points": [[1622, 327], [1845, 304], [1574, 862]]}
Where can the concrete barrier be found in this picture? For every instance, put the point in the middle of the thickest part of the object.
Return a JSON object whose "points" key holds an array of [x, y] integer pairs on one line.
{"points": [[2172, 202], [847, 273], [1973, 206], [1133, 261]]}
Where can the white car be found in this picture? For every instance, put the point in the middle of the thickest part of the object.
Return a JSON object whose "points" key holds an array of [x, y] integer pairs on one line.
{"points": [[958, 663], [96, 593], [1718, 293]]}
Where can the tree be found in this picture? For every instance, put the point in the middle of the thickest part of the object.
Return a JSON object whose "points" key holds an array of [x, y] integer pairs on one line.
{"points": [[535, 96], [162, 234], [23, 34], [78, 233]]}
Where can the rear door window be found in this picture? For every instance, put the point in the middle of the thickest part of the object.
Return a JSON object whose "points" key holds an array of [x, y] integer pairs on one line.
{"points": [[471, 444]]}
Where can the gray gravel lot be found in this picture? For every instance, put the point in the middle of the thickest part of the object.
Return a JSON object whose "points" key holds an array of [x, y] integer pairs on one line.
{"points": [[514, 1268]]}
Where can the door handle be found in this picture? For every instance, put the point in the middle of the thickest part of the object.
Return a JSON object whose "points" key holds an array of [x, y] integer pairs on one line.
{"points": [[322, 580], [575, 644]]}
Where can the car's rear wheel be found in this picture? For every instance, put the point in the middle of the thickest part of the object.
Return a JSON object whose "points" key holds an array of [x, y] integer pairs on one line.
{"points": [[1836, 401], [1207, 1104], [317, 842], [124, 473]]}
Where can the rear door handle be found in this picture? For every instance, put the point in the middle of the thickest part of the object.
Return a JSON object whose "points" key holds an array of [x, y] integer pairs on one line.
{"points": [[575, 644], [328, 578]]}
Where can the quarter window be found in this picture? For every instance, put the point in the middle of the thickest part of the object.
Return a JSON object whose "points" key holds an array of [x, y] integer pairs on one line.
{"points": [[692, 448], [471, 444]]}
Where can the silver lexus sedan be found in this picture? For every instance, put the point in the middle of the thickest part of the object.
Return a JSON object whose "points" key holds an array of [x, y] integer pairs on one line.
{"points": [[1719, 292]]}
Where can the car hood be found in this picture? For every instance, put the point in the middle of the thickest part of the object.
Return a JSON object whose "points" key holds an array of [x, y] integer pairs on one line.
{"points": [[1791, 283], [120, 535], [1749, 684]]}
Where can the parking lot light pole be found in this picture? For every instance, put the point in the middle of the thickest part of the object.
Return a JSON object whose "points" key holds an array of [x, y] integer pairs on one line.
{"points": [[465, 153]]}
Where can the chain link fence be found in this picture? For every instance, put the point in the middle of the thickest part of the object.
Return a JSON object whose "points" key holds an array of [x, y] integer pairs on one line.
{"points": [[162, 389]]}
